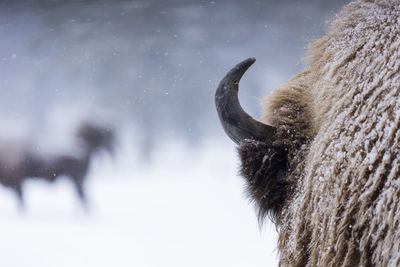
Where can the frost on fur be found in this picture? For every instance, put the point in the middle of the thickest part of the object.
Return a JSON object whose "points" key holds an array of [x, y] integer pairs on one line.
{"points": [[329, 172]]}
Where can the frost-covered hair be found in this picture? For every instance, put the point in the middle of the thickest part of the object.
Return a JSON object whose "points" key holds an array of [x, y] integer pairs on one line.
{"points": [[339, 122]]}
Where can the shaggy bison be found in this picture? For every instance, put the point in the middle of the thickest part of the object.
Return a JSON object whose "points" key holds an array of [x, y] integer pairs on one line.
{"points": [[324, 162]]}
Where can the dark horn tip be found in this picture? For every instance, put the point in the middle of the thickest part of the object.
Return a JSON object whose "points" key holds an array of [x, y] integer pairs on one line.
{"points": [[242, 67], [251, 60], [235, 74]]}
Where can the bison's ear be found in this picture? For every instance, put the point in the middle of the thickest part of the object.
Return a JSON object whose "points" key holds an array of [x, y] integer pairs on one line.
{"points": [[237, 124], [264, 163]]}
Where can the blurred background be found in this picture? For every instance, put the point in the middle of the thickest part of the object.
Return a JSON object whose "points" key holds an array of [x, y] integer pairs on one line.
{"points": [[111, 104]]}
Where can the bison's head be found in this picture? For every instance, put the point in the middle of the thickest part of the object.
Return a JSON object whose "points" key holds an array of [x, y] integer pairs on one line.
{"points": [[264, 158], [97, 137]]}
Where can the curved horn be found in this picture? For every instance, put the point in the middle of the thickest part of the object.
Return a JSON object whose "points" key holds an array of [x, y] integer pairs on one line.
{"points": [[239, 125]]}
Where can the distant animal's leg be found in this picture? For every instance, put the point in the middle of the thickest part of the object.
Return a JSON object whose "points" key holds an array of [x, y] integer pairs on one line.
{"points": [[78, 181], [20, 196]]}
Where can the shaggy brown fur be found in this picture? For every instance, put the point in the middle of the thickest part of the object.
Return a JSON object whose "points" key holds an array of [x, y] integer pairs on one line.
{"points": [[340, 122], [273, 166]]}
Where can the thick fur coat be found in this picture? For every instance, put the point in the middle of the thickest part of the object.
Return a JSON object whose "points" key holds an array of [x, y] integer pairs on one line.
{"points": [[337, 200]]}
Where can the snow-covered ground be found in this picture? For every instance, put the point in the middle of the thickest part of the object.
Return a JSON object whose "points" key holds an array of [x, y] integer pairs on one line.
{"points": [[185, 208]]}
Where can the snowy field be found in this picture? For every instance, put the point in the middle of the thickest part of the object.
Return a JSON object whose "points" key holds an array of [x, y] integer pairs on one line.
{"points": [[186, 208]]}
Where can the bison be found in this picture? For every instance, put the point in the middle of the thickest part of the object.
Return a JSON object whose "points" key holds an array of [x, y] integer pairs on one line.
{"points": [[28, 163], [324, 161]]}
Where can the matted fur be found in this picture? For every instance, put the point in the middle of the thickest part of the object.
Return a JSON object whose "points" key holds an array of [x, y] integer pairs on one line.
{"points": [[265, 168], [340, 121]]}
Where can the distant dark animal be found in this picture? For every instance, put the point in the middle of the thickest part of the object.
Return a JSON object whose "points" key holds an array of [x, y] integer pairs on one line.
{"points": [[29, 164], [324, 163]]}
